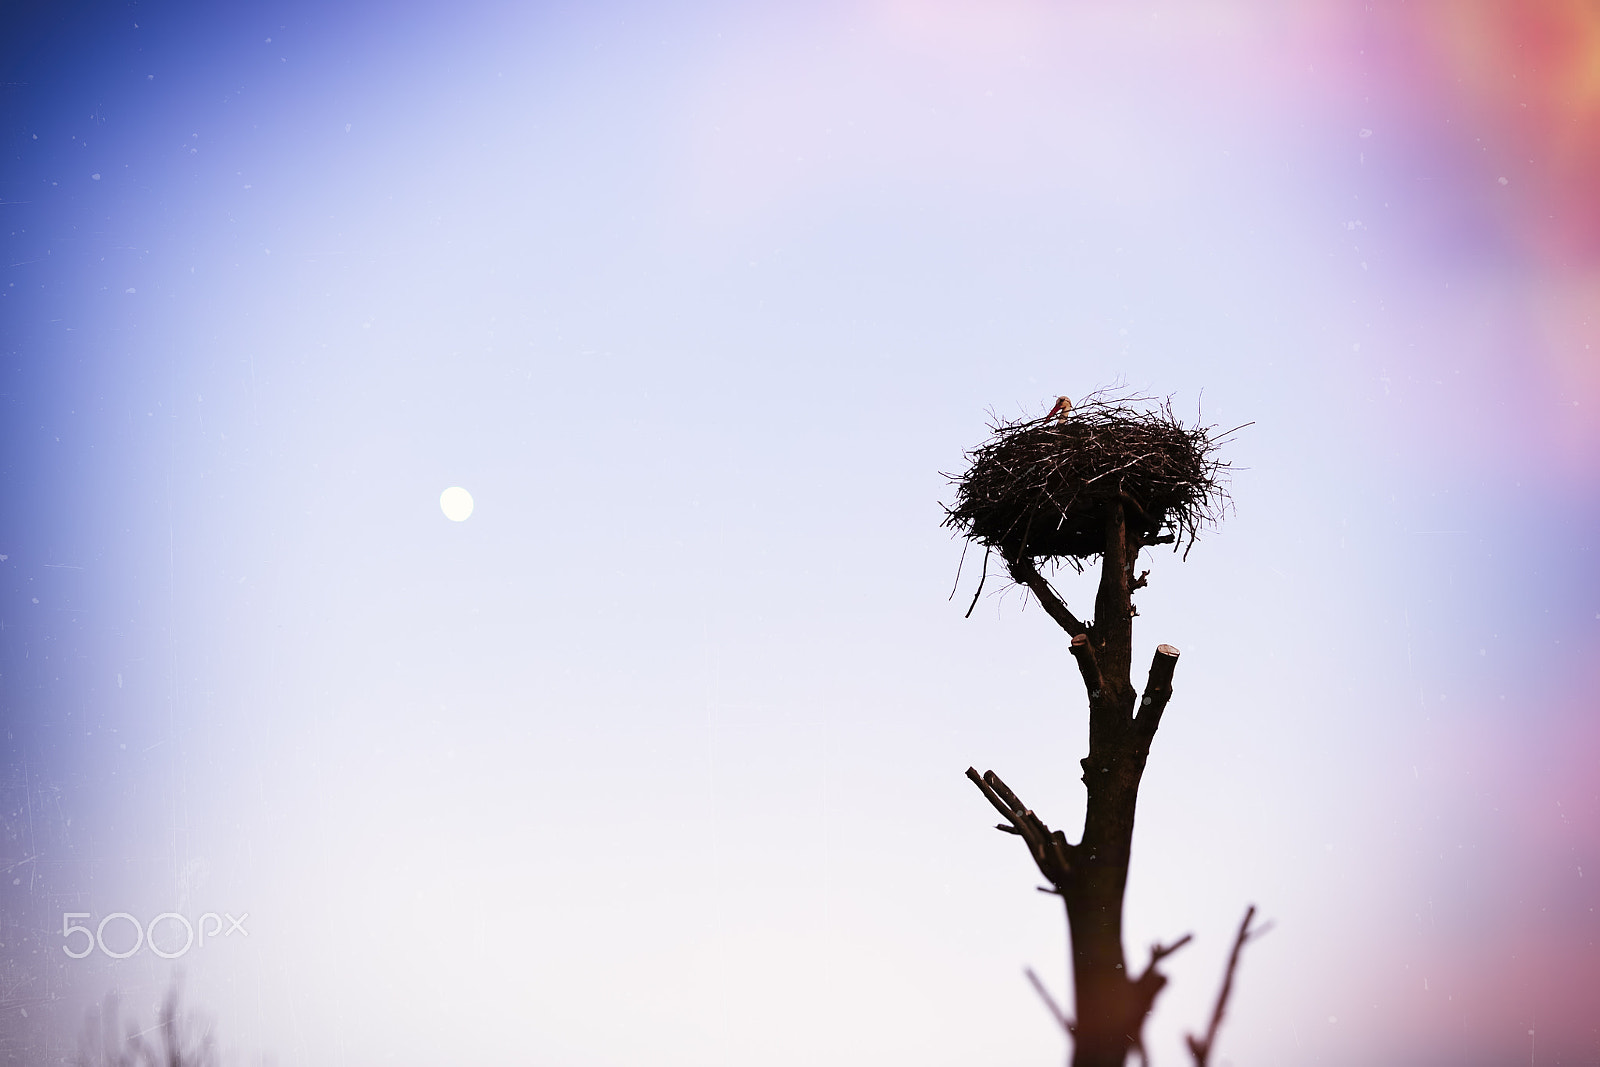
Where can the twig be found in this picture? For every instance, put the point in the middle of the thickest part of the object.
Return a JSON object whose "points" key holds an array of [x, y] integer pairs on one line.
{"points": [[1219, 437], [1119, 470], [1049, 1002], [981, 580], [1200, 1048], [959, 565], [1159, 952], [1150, 982]]}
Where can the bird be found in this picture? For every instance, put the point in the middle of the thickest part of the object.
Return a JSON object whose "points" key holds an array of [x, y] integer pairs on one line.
{"points": [[1059, 412]]}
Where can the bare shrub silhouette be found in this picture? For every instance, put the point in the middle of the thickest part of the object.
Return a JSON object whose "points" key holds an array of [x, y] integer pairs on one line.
{"points": [[183, 1040]]}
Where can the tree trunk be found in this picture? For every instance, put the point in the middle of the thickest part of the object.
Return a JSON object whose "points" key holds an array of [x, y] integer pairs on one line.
{"points": [[1091, 877], [1102, 1035]]}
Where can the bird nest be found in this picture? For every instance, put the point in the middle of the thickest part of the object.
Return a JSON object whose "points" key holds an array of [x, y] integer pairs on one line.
{"points": [[1044, 488]]}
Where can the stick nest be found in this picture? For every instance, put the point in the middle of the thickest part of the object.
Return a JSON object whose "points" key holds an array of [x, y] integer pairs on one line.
{"points": [[1041, 488]]}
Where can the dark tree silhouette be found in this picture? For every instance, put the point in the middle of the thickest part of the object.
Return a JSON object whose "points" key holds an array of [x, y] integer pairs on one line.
{"points": [[1116, 475]]}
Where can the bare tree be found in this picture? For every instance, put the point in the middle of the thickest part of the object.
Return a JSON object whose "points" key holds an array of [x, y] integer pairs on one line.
{"points": [[1109, 478]]}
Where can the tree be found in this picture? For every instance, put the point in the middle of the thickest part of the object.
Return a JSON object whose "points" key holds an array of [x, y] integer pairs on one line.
{"points": [[1113, 476]]}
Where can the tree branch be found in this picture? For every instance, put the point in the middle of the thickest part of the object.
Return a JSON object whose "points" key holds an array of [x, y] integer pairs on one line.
{"points": [[1083, 652], [1151, 981], [1025, 573], [1159, 952], [982, 578], [1200, 1048], [1049, 848], [1050, 1002], [1157, 690], [994, 798]]}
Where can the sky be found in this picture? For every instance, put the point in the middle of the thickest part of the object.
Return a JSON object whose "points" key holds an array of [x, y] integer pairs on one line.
{"points": [[659, 754]]}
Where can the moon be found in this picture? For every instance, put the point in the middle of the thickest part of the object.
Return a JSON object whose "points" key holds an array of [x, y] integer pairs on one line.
{"points": [[456, 503]]}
